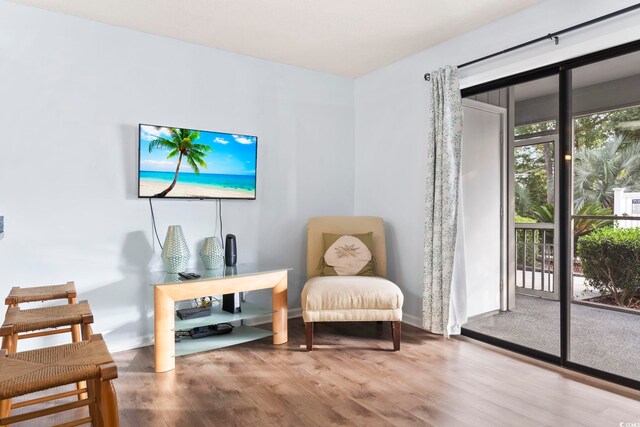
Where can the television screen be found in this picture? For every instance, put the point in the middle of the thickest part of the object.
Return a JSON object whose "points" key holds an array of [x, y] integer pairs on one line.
{"points": [[196, 164]]}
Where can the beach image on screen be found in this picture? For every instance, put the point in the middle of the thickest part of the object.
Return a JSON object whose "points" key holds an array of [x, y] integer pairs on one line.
{"points": [[176, 162]]}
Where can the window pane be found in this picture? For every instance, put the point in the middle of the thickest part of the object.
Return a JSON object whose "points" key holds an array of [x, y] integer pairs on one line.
{"points": [[533, 179], [605, 309]]}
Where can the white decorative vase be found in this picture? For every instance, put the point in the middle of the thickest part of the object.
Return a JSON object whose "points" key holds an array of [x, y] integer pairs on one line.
{"points": [[212, 254], [175, 252]]}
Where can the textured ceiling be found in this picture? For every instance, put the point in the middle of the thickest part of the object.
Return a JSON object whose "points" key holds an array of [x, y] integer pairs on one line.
{"points": [[345, 37]]}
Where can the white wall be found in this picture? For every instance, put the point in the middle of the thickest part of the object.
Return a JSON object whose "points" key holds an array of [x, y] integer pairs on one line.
{"points": [[72, 93], [391, 108]]}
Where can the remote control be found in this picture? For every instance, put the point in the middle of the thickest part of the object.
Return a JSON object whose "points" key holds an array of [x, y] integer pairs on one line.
{"points": [[188, 276]]}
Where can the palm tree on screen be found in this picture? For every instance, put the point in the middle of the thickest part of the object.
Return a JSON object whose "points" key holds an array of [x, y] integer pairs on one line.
{"points": [[181, 144]]}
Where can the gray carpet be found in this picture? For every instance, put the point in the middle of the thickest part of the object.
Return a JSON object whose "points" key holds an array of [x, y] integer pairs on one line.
{"points": [[602, 339]]}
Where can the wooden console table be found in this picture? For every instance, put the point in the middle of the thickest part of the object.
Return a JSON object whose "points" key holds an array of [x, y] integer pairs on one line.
{"points": [[169, 288]]}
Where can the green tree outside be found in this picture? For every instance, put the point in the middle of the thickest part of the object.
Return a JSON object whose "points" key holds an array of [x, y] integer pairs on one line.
{"points": [[606, 155]]}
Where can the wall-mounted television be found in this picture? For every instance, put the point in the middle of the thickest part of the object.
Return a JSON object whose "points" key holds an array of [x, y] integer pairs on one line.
{"points": [[183, 163]]}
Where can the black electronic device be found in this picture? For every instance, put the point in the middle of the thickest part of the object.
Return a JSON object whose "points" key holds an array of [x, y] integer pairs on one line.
{"points": [[206, 331], [230, 251], [231, 303], [194, 312], [189, 276]]}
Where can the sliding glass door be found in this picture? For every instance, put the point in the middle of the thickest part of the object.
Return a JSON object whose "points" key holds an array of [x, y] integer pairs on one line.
{"points": [[571, 286], [530, 316]]}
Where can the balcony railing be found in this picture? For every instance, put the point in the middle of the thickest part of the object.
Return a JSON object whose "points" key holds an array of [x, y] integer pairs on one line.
{"points": [[535, 258]]}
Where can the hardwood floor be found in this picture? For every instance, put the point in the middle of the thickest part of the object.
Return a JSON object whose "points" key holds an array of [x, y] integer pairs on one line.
{"points": [[354, 378]]}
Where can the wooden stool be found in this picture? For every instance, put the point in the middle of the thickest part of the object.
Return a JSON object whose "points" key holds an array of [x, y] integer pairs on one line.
{"points": [[67, 291], [19, 295], [22, 324], [36, 370]]}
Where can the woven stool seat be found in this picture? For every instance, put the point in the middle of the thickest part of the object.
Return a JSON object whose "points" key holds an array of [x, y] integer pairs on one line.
{"points": [[37, 370], [19, 295], [33, 319], [44, 368]]}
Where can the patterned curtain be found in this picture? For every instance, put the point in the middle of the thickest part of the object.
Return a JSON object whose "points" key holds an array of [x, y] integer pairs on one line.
{"points": [[443, 173]]}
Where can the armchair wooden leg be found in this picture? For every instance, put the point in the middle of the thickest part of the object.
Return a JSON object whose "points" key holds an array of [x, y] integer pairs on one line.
{"points": [[308, 331], [396, 332]]}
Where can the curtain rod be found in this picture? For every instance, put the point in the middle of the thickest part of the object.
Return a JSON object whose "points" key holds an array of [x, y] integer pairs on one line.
{"points": [[550, 36]]}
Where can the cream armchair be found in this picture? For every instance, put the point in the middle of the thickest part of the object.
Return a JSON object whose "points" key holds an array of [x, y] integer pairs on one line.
{"points": [[349, 298]]}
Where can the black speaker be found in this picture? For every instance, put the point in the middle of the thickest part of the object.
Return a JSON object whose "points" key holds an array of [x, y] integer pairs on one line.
{"points": [[231, 303], [230, 251]]}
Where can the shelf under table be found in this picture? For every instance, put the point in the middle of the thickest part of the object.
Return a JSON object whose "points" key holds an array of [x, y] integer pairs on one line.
{"points": [[220, 316], [239, 335]]}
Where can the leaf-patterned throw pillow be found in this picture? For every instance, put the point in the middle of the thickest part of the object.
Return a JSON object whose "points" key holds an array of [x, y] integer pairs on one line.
{"points": [[348, 255]]}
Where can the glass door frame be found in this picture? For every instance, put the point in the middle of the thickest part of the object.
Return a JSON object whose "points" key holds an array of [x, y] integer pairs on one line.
{"points": [[565, 211]]}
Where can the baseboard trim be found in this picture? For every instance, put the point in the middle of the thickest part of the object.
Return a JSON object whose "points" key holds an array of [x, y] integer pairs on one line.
{"points": [[293, 314], [297, 312], [412, 320], [131, 344], [260, 320]]}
